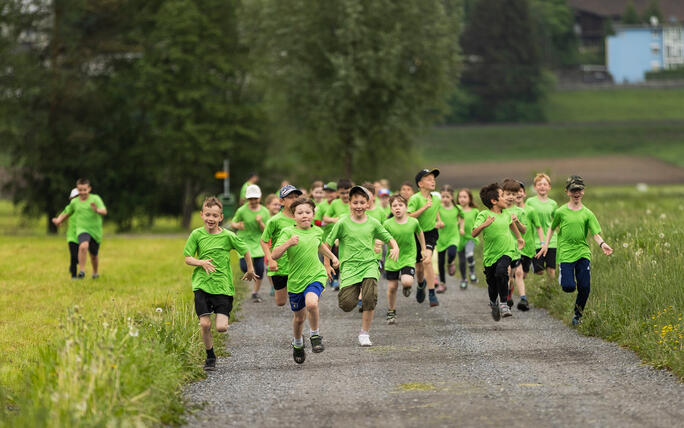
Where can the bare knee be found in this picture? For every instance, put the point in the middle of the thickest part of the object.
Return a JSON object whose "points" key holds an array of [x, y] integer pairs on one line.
{"points": [[406, 280], [312, 305], [205, 323]]}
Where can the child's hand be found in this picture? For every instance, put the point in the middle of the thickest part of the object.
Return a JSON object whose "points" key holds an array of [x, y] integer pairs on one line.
{"points": [[521, 243], [394, 254], [378, 246], [239, 225], [272, 265], [258, 218], [542, 252], [514, 218], [335, 262], [606, 249], [461, 230], [428, 204], [250, 276], [93, 206], [423, 252], [208, 266], [439, 224], [489, 221], [330, 271], [294, 240], [55, 221]]}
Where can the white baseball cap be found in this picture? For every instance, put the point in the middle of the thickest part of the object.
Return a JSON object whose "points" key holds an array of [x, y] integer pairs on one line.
{"points": [[253, 191], [74, 193]]}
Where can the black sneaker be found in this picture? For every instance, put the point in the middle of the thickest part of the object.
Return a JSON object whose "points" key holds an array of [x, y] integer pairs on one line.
{"points": [[523, 305], [298, 354], [576, 321], [210, 364], [420, 291], [256, 298], [406, 291], [317, 344], [80, 275], [495, 311], [510, 303], [391, 317], [433, 300], [95, 276]]}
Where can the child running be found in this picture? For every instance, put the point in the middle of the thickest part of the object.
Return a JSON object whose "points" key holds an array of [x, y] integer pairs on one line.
{"points": [[449, 237], [72, 239], [87, 211], [303, 243], [545, 207], [208, 249], [574, 222], [337, 209], [494, 224], [466, 245], [405, 230], [273, 206], [375, 211], [250, 221], [530, 236], [278, 270], [358, 266], [511, 189], [424, 206]]}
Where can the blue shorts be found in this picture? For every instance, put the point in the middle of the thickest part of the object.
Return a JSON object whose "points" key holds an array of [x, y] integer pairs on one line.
{"points": [[575, 275], [298, 300]]}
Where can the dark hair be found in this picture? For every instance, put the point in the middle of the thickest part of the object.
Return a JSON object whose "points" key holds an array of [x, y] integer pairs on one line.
{"points": [[510, 185], [370, 187], [301, 201], [397, 197], [83, 181], [359, 191], [315, 184], [407, 183], [448, 188], [344, 183], [490, 193], [471, 203], [212, 201]]}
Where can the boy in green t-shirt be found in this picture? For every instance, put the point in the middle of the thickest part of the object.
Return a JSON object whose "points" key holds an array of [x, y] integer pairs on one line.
{"points": [[359, 271], [511, 189], [72, 240], [449, 237], [495, 226], [330, 194], [208, 249], [87, 210], [405, 230], [545, 208], [574, 222], [278, 270], [338, 208], [249, 221], [303, 243], [424, 206], [253, 178]]}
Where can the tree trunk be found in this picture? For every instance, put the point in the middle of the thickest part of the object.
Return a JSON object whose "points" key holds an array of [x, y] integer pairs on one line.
{"points": [[51, 228], [188, 205]]}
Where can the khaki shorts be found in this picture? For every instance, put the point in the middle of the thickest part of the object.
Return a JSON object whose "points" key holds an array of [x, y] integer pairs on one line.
{"points": [[348, 297]]}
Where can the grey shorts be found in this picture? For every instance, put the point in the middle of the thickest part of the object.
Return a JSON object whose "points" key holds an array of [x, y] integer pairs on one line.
{"points": [[348, 297]]}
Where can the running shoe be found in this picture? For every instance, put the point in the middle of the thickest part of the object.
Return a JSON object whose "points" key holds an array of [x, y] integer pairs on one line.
{"points": [[452, 269], [509, 299], [317, 344], [364, 340], [576, 321], [95, 276], [510, 303], [210, 364], [298, 354], [420, 291], [505, 310], [473, 278], [406, 291], [391, 317], [464, 284], [256, 298], [272, 293], [81, 275], [441, 288], [433, 300], [495, 311], [336, 285], [523, 305]]}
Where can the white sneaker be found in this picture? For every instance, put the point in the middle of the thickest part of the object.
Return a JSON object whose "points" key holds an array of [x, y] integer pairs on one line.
{"points": [[505, 310], [364, 340]]}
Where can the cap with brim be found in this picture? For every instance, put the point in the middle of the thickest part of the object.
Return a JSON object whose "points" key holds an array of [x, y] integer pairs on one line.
{"points": [[423, 172], [332, 186], [574, 183], [288, 189], [383, 192], [252, 191], [360, 190], [74, 193]]}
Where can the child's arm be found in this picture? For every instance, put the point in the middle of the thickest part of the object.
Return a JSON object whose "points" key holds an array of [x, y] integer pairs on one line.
{"points": [[521, 227], [102, 211], [461, 225], [394, 251], [249, 275], [205, 264], [327, 257], [439, 223], [421, 241], [605, 247], [545, 245], [59, 219], [272, 263], [421, 210], [259, 220], [540, 233], [518, 236], [238, 225], [280, 249], [477, 230]]}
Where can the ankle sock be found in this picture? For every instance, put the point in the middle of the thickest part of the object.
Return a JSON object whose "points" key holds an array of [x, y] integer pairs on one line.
{"points": [[314, 333], [431, 292], [363, 332], [298, 342]]}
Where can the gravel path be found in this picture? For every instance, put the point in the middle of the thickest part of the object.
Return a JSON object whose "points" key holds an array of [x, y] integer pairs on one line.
{"points": [[445, 366]]}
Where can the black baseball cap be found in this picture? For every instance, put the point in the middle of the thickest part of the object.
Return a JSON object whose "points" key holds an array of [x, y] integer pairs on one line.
{"points": [[287, 189], [423, 172], [359, 190], [574, 182]]}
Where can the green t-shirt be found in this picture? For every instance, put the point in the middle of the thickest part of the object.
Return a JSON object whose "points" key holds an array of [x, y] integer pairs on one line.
{"points": [[405, 235], [252, 233], [449, 235], [337, 208], [204, 245], [573, 228], [243, 191], [87, 220], [378, 214], [357, 248], [321, 210], [274, 228], [545, 212], [531, 237], [520, 213], [468, 222], [428, 218], [497, 238], [304, 264], [386, 210], [71, 235]]}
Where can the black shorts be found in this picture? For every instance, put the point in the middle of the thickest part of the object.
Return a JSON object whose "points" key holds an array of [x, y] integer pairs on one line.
{"points": [[545, 262], [526, 262], [206, 303], [257, 263], [515, 263], [93, 245], [394, 275], [279, 281], [431, 237]]}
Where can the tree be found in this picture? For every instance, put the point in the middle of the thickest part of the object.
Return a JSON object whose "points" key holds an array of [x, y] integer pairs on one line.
{"points": [[357, 79], [554, 25], [631, 17], [504, 74], [652, 10]]}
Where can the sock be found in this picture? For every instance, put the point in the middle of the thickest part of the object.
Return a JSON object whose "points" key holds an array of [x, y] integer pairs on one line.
{"points": [[431, 292], [314, 332], [363, 332], [210, 353], [298, 342]]}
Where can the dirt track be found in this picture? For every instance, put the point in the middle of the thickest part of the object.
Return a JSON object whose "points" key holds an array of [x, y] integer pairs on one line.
{"points": [[604, 170]]}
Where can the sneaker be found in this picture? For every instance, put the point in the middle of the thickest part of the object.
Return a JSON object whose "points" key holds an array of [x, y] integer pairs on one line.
{"points": [[452, 269], [95, 276], [298, 354], [420, 291], [336, 285], [433, 300], [523, 305], [272, 293], [473, 278], [576, 321], [505, 310], [406, 291], [391, 317], [364, 340], [81, 275], [510, 303], [317, 344], [441, 288], [210, 364], [495, 311], [464, 284], [256, 298]]}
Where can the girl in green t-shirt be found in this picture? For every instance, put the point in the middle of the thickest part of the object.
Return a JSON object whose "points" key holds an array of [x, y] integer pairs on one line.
{"points": [[449, 237], [466, 245]]}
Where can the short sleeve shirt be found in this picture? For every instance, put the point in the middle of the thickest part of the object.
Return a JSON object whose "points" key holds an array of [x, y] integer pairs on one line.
{"points": [[87, 220], [545, 212], [522, 217], [378, 214], [573, 228], [428, 218], [304, 265], [497, 238], [337, 209], [449, 235], [405, 235], [274, 228], [468, 222], [357, 248], [215, 246], [531, 237], [252, 232]]}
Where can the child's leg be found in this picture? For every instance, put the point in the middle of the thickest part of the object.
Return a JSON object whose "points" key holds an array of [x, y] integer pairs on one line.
{"points": [[258, 263], [519, 281], [392, 286], [462, 263], [95, 262], [312, 310], [501, 277], [82, 255], [583, 275], [441, 259], [205, 326], [451, 255], [369, 291], [551, 263], [222, 323], [280, 285], [429, 271], [470, 255], [348, 297], [73, 263], [492, 288], [298, 324]]}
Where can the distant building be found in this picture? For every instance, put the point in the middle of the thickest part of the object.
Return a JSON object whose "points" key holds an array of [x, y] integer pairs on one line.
{"points": [[635, 50]]}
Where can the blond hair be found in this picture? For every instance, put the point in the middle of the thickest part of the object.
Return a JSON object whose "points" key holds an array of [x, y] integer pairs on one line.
{"points": [[540, 176]]}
